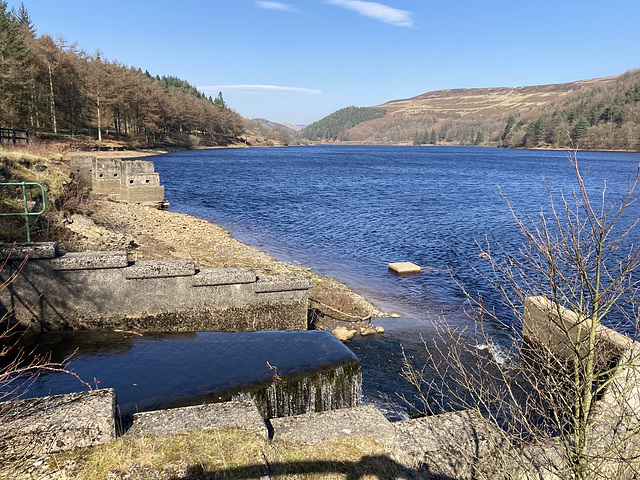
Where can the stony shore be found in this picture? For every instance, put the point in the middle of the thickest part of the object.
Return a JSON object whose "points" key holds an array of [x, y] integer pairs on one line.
{"points": [[147, 233]]}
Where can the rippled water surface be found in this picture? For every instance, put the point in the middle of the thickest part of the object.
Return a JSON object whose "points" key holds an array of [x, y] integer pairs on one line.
{"points": [[347, 211]]}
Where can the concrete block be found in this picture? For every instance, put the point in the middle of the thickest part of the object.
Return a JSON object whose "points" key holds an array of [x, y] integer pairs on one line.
{"points": [[136, 166], [90, 261], [235, 414], [281, 283], [346, 422], [223, 276], [34, 251], [142, 194], [57, 423], [403, 268], [141, 180], [558, 329], [451, 445], [160, 268]]}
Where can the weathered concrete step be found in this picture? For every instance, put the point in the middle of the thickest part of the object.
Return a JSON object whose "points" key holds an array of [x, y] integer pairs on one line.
{"points": [[235, 414], [20, 251], [345, 422], [453, 445], [57, 423], [90, 261]]}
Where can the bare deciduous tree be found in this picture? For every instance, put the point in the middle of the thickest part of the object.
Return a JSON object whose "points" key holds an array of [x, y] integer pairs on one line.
{"points": [[564, 400]]}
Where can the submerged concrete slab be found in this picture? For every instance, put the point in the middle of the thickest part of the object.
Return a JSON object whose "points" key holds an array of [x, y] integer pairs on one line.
{"points": [[57, 423], [235, 414], [403, 268], [320, 427]]}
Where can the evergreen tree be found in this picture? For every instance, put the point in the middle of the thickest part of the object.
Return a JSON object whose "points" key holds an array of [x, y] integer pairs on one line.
{"points": [[443, 132], [433, 138], [13, 53], [219, 102], [23, 20], [510, 123], [580, 128]]}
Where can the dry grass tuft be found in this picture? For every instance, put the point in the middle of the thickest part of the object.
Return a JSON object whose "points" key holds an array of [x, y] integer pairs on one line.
{"points": [[229, 454]]}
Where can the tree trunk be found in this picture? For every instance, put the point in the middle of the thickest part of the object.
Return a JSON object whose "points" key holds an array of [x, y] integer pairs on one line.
{"points": [[99, 125], [52, 102]]}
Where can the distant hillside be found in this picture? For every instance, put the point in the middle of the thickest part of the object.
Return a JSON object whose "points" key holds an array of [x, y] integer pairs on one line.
{"points": [[335, 125], [270, 125], [472, 103], [602, 113]]}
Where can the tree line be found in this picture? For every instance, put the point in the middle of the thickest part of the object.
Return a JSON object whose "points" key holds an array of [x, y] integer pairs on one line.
{"points": [[50, 85]]}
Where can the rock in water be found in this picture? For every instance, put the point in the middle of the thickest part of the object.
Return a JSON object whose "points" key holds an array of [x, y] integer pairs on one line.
{"points": [[343, 333]]}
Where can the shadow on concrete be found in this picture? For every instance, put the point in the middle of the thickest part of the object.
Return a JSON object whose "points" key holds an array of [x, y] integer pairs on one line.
{"points": [[380, 467]]}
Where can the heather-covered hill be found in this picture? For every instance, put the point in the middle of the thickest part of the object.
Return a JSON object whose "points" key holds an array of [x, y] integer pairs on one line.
{"points": [[602, 113]]}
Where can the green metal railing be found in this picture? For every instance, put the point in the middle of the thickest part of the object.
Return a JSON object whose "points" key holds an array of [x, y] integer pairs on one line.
{"points": [[26, 214]]}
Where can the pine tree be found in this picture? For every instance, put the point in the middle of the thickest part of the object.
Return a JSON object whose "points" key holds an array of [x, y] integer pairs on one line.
{"points": [[219, 102]]}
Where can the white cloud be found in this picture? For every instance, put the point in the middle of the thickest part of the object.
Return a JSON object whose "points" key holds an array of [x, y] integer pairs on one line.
{"points": [[284, 7], [377, 11], [257, 89]]}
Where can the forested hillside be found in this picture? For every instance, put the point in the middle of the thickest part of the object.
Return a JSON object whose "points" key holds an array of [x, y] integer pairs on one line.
{"points": [[594, 114], [334, 126], [596, 118], [50, 86]]}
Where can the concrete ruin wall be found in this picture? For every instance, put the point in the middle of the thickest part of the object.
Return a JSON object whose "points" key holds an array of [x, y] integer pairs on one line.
{"points": [[133, 181], [103, 290], [557, 330]]}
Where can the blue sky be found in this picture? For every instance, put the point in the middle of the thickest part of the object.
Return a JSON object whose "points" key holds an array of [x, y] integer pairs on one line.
{"points": [[298, 61]]}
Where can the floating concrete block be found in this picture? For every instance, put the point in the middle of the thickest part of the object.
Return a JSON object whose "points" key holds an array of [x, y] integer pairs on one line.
{"points": [[90, 261], [34, 251], [57, 423], [235, 414], [320, 427], [223, 276], [402, 268], [160, 269]]}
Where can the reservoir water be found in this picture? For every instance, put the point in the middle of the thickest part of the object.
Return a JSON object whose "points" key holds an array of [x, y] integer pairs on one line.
{"points": [[347, 211]]}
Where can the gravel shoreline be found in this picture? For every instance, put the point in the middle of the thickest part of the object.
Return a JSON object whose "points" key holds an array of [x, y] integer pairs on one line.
{"points": [[147, 233]]}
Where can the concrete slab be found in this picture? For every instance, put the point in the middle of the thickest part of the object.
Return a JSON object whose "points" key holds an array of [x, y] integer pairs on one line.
{"points": [[403, 268], [280, 283], [346, 422], [453, 444], [235, 414], [57, 423], [90, 261], [160, 269], [33, 251]]}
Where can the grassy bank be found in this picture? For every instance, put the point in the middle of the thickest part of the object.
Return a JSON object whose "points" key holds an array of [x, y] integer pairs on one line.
{"points": [[228, 454]]}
